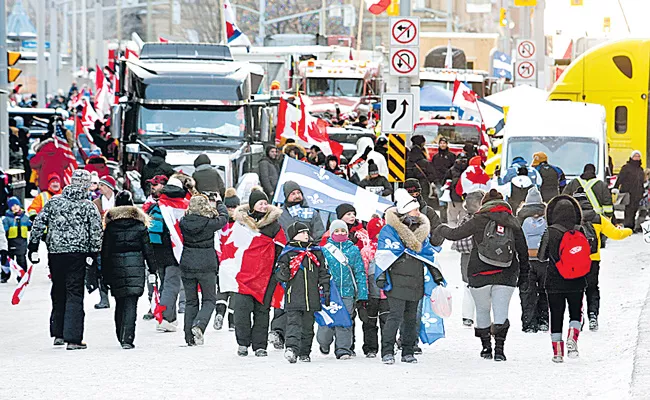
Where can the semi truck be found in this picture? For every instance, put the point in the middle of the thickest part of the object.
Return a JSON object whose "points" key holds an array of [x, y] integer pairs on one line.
{"points": [[189, 99]]}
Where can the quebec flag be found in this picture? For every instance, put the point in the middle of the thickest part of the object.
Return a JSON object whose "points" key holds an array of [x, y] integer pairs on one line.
{"points": [[336, 314], [326, 191]]}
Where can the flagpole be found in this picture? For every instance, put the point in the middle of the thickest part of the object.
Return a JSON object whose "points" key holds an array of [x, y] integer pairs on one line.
{"points": [[360, 28], [222, 16]]}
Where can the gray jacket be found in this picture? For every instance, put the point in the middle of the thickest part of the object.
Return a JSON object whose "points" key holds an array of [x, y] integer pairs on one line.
{"points": [[73, 223]]}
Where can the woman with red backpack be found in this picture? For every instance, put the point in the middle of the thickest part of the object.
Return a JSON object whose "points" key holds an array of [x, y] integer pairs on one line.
{"points": [[568, 252]]}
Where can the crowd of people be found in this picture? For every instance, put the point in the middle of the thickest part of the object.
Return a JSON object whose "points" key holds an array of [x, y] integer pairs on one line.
{"points": [[511, 232]]}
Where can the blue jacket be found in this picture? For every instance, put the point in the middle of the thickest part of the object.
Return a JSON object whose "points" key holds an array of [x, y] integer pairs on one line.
{"points": [[342, 275], [513, 171], [17, 230]]}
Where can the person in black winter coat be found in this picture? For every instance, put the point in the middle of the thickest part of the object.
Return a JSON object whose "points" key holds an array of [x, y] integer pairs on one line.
{"points": [[413, 187], [260, 217], [630, 180], [376, 183], [418, 165], [491, 287], [125, 249], [199, 263], [269, 170], [156, 166], [598, 187], [442, 161], [563, 213], [332, 165], [302, 292], [316, 156], [207, 178], [455, 210]]}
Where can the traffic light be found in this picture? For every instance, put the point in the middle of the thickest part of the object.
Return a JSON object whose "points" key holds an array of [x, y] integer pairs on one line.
{"points": [[12, 59], [503, 17], [393, 8], [607, 24]]}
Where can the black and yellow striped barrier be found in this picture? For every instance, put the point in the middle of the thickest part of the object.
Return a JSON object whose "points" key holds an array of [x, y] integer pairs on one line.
{"points": [[396, 157]]}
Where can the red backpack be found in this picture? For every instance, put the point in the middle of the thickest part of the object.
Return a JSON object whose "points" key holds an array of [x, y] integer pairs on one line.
{"points": [[575, 260]]}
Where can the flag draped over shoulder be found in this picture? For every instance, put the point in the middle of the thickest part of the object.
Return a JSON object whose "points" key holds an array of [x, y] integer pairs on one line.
{"points": [[247, 261], [389, 249], [294, 265], [172, 210]]}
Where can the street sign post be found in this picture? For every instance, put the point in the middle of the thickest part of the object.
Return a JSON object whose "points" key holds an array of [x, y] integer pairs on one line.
{"points": [[526, 64], [397, 113]]}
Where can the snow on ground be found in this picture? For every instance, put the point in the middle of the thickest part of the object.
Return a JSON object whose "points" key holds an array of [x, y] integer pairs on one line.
{"points": [[161, 366]]}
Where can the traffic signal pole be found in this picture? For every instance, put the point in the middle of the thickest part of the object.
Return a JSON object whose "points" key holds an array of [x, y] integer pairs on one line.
{"points": [[4, 113], [404, 84]]}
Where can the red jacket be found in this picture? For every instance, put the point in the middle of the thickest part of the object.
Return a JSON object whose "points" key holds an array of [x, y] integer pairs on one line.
{"points": [[98, 164], [50, 158]]}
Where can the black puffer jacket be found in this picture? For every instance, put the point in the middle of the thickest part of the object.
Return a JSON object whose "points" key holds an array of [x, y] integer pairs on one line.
{"points": [[125, 249], [565, 211], [442, 161], [378, 185], [301, 293], [269, 174], [156, 166], [198, 227], [419, 167], [207, 178], [480, 273], [407, 274], [630, 180]]}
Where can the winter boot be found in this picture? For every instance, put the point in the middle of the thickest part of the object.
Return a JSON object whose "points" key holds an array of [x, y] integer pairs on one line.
{"points": [[58, 341], [261, 353], [198, 335], [290, 356], [558, 352], [486, 342], [409, 359], [148, 316], [218, 322], [467, 322], [305, 359], [128, 346], [572, 342], [76, 346], [593, 322], [417, 350], [276, 340], [543, 326], [388, 359], [103, 301], [500, 331], [242, 351]]}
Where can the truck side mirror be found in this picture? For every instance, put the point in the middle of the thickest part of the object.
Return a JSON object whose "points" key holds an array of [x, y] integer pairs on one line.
{"points": [[265, 125], [133, 148], [116, 121]]}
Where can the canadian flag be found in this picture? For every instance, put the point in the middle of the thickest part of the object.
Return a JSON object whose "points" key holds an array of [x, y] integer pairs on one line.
{"points": [[473, 179], [310, 130], [105, 94], [22, 284], [464, 97], [377, 6], [89, 115], [172, 210], [247, 261], [157, 308]]}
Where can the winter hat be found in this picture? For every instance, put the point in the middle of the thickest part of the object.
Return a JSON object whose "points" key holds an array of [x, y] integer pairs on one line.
{"points": [[14, 201], [296, 228], [331, 157], [534, 196], [634, 153], [108, 181], [443, 139], [290, 186], [159, 152], [80, 177], [175, 182], [475, 161], [372, 168], [338, 224], [418, 140], [374, 227], [493, 194], [343, 209], [230, 198], [589, 168], [519, 160], [53, 177], [256, 195], [539, 158], [94, 178], [404, 202], [381, 142], [202, 159], [123, 198], [158, 179], [412, 185], [473, 201]]}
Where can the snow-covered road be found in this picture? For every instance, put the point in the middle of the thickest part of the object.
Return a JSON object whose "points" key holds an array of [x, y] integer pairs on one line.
{"points": [[161, 367]]}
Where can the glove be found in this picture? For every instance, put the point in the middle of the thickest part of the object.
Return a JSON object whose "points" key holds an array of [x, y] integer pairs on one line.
{"points": [[362, 304], [3, 257], [90, 259], [32, 217], [437, 276], [366, 152], [152, 279], [326, 298], [33, 257], [92, 280]]}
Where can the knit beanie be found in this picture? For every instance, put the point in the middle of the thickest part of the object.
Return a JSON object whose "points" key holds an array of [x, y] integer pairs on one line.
{"points": [[296, 228], [533, 196], [230, 198], [338, 224], [123, 198], [405, 202], [14, 201], [343, 209], [256, 195], [80, 177], [418, 140], [412, 185], [493, 194]]}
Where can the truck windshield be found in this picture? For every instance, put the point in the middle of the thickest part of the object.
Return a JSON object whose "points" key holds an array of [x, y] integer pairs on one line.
{"points": [[335, 87], [454, 134], [569, 153], [223, 121]]}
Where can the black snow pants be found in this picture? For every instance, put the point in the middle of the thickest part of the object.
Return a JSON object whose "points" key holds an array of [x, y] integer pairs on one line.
{"points": [[247, 334], [68, 275], [593, 291], [195, 316], [534, 302], [125, 315], [377, 309], [299, 331]]}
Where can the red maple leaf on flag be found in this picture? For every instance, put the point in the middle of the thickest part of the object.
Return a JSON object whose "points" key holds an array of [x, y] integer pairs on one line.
{"points": [[478, 176], [470, 96], [228, 250]]}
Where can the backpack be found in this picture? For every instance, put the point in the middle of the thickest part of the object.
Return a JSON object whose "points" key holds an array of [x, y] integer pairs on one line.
{"points": [[550, 178], [574, 261], [497, 247], [589, 231], [534, 228]]}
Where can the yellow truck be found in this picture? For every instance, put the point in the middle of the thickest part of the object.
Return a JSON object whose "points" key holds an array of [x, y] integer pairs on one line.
{"points": [[615, 75]]}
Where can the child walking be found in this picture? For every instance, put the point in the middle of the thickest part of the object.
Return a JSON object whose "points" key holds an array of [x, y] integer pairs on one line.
{"points": [[17, 226], [302, 266], [225, 300], [346, 267]]}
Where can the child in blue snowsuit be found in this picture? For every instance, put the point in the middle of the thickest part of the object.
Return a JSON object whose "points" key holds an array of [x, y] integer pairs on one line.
{"points": [[17, 225]]}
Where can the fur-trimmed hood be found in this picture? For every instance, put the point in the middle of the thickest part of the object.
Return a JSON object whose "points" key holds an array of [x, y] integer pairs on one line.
{"points": [[272, 215], [411, 239], [126, 212], [200, 205]]}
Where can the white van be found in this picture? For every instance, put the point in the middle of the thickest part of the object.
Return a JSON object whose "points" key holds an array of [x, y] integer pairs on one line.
{"points": [[571, 134]]}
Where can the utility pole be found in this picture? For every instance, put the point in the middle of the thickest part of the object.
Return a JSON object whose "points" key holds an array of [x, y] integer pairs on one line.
{"points": [[53, 83], [262, 23], [362, 5], [84, 34], [404, 84], [222, 17], [42, 66], [540, 44], [450, 15], [118, 21], [507, 48], [65, 32], [75, 44], [4, 116], [322, 20], [149, 21], [99, 34]]}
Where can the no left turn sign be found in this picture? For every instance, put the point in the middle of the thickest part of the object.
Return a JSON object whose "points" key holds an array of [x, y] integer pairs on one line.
{"points": [[404, 31], [404, 62], [525, 70]]}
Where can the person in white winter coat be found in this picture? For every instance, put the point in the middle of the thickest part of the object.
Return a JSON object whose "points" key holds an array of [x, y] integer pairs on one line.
{"points": [[359, 163]]}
